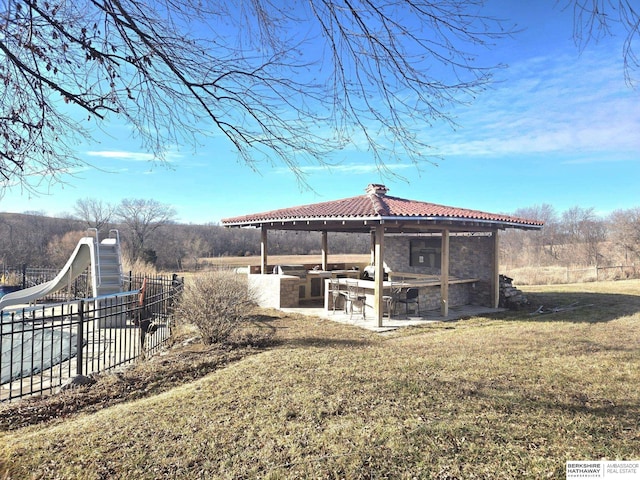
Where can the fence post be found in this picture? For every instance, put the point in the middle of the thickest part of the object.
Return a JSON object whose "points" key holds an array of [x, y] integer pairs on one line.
{"points": [[80, 339]]}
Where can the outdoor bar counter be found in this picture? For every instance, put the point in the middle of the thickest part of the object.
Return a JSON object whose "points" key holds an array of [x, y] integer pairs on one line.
{"points": [[460, 292]]}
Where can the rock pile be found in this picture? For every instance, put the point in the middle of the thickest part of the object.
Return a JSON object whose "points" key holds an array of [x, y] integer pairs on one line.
{"points": [[510, 296], [76, 381]]}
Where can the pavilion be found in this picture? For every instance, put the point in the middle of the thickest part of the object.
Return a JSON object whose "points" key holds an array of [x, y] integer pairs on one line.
{"points": [[418, 235]]}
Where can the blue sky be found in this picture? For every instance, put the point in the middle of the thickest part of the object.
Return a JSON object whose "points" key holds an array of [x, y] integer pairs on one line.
{"points": [[558, 126]]}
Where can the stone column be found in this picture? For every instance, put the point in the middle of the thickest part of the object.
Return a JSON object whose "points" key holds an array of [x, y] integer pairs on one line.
{"points": [[444, 275], [263, 250]]}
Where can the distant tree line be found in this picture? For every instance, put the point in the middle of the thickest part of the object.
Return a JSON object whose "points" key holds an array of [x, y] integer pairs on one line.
{"points": [[149, 233], [575, 237]]}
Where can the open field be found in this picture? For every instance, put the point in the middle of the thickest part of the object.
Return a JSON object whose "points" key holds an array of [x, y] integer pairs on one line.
{"points": [[509, 397], [284, 260], [576, 274]]}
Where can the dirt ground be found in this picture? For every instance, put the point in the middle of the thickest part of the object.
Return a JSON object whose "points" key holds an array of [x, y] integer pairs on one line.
{"points": [[186, 360]]}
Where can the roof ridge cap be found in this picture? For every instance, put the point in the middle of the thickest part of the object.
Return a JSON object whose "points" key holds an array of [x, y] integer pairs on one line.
{"points": [[379, 206]]}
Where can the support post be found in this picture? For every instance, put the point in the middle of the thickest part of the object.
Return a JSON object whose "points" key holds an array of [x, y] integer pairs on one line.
{"points": [[444, 275], [263, 250], [325, 251], [495, 277], [80, 339], [378, 304], [372, 247]]}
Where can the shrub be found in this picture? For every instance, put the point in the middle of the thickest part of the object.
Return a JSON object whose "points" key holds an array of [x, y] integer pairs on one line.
{"points": [[217, 303], [139, 266]]}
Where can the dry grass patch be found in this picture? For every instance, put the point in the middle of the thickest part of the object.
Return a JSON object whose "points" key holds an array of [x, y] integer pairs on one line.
{"points": [[508, 397]]}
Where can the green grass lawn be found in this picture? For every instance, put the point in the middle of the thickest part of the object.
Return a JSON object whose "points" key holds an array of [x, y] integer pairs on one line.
{"points": [[512, 396]]}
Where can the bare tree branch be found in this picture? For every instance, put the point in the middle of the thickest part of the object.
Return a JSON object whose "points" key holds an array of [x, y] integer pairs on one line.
{"points": [[286, 83], [94, 213], [141, 218], [595, 19]]}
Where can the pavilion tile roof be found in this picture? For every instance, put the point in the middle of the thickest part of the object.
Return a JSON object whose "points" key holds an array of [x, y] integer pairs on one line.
{"points": [[376, 205]]}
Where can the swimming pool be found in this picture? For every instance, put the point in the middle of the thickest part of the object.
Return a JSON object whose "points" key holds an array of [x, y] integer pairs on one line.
{"points": [[28, 349]]}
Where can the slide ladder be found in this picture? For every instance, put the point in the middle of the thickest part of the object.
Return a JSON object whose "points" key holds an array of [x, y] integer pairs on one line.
{"points": [[107, 268]]}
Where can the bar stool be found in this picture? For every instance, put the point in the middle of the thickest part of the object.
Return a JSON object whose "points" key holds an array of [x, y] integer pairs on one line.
{"points": [[355, 296], [390, 301]]}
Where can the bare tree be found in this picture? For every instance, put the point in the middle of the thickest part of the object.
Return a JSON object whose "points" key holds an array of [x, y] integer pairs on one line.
{"points": [[196, 248], [170, 246], [520, 248], [624, 231], [24, 237], [94, 213], [60, 247], [282, 81], [141, 218], [585, 232], [595, 19]]}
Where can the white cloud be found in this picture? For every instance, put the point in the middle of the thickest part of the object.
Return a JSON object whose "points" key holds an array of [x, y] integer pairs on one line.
{"points": [[351, 168], [590, 160], [123, 155], [169, 156], [551, 105]]}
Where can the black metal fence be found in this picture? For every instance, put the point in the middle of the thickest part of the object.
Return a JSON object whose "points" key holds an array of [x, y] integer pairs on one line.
{"points": [[27, 276], [41, 347]]}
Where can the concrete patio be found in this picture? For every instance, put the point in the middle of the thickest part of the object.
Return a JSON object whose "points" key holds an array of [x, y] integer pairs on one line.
{"points": [[396, 321]]}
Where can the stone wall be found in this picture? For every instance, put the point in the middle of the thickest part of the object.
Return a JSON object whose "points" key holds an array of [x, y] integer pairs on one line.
{"points": [[276, 291], [459, 294], [469, 257]]}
